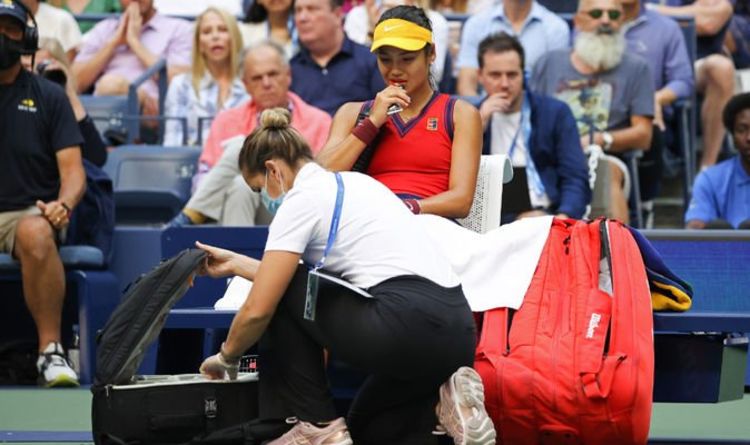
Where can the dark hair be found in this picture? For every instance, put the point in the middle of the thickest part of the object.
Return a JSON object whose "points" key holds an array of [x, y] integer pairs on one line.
{"points": [[336, 3], [500, 43], [273, 138], [257, 13], [412, 14], [734, 107]]}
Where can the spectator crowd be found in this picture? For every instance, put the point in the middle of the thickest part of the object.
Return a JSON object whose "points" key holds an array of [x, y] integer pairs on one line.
{"points": [[548, 85]]}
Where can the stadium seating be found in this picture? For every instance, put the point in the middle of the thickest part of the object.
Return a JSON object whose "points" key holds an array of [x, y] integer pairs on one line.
{"points": [[151, 183], [686, 115], [118, 118], [108, 113]]}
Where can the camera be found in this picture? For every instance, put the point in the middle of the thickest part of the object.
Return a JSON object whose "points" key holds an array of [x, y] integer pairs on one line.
{"points": [[52, 74]]}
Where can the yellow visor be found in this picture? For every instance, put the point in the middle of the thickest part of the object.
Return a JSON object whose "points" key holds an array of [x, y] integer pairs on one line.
{"points": [[401, 34]]}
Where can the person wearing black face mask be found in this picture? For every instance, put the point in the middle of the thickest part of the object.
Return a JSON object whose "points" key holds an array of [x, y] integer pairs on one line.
{"points": [[42, 181], [9, 52]]}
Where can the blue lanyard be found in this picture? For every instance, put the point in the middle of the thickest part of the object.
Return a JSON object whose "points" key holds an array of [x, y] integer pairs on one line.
{"points": [[525, 125], [334, 221]]}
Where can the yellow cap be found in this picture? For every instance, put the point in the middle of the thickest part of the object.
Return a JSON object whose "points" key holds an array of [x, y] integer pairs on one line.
{"points": [[401, 34]]}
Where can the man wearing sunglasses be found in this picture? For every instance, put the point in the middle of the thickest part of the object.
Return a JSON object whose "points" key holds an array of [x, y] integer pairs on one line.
{"points": [[611, 93]]}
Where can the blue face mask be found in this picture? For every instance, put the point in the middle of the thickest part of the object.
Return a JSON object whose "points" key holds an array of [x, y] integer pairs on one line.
{"points": [[271, 204]]}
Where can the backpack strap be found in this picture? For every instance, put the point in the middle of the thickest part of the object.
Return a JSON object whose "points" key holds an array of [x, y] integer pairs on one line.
{"points": [[495, 328], [597, 376], [363, 161]]}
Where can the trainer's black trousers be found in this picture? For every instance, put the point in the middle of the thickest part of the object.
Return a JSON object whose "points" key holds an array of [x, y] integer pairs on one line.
{"points": [[409, 338]]}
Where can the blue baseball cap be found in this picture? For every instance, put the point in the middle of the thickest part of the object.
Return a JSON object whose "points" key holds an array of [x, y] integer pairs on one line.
{"points": [[11, 8]]}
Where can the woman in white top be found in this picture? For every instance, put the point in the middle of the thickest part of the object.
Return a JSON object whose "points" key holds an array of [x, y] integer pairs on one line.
{"points": [[212, 85], [270, 20], [360, 22], [412, 332]]}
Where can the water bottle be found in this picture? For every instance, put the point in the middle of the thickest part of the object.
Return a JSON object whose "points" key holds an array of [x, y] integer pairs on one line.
{"points": [[74, 351]]}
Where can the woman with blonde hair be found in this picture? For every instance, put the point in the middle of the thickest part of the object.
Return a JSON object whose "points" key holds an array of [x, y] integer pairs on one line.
{"points": [[213, 84]]}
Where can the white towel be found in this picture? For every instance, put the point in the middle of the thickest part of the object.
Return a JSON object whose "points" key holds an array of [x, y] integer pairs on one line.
{"points": [[495, 268], [235, 295]]}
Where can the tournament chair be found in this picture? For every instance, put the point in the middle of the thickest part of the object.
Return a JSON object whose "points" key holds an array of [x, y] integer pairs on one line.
{"points": [[151, 183], [108, 114], [494, 171]]}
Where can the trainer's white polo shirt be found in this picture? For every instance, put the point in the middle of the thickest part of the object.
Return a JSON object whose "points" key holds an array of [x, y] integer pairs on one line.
{"points": [[378, 237]]}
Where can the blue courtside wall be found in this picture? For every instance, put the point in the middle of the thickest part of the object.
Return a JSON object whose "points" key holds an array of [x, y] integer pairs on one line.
{"points": [[715, 263]]}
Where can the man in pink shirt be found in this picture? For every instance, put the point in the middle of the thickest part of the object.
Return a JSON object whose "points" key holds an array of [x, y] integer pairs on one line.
{"points": [[118, 50], [221, 193]]}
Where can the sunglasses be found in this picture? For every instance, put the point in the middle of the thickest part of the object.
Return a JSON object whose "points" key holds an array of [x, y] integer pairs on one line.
{"points": [[613, 14]]}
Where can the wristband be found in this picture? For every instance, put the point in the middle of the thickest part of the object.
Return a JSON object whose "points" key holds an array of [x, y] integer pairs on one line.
{"points": [[365, 131], [413, 205], [229, 360], [68, 210]]}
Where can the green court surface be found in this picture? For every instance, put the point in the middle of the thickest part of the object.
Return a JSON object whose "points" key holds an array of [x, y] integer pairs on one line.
{"points": [[67, 413]]}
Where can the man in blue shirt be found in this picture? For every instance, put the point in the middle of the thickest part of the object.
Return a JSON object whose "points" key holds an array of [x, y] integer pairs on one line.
{"points": [[659, 41], [545, 143], [721, 194], [329, 69], [538, 29]]}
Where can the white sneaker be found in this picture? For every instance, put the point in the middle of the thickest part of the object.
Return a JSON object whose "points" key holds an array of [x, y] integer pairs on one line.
{"points": [[54, 368], [461, 411]]}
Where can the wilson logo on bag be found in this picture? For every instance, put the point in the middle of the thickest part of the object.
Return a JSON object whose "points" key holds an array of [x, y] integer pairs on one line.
{"points": [[574, 364]]}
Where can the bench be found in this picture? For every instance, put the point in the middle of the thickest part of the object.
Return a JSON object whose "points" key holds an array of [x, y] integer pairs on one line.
{"points": [[714, 262]]}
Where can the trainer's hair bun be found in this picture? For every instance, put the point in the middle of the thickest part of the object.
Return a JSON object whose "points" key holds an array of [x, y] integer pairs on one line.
{"points": [[275, 118]]}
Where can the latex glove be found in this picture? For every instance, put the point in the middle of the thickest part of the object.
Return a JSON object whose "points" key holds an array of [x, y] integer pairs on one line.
{"points": [[217, 368]]}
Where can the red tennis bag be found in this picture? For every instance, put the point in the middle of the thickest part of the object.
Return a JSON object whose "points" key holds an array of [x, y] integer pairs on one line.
{"points": [[575, 363]]}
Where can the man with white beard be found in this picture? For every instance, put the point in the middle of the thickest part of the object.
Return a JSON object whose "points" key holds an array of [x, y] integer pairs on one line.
{"points": [[610, 93]]}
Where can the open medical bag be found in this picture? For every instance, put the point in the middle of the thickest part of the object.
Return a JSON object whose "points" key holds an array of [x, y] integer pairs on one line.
{"points": [[162, 409]]}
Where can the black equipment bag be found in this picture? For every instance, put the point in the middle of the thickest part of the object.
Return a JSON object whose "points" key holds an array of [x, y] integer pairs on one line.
{"points": [[171, 409], [130, 409]]}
